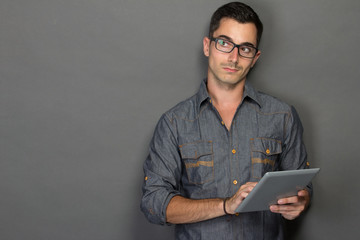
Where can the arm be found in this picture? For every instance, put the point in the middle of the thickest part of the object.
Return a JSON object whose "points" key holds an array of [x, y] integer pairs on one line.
{"points": [[182, 210], [293, 157], [162, 170]]}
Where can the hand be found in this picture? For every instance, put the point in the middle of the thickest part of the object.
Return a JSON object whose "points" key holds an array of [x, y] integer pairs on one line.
{"points": [[233, 202], [291, 207]]}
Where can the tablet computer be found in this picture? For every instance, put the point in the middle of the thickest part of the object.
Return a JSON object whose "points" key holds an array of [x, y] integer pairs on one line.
{"points": [[275, 185]]}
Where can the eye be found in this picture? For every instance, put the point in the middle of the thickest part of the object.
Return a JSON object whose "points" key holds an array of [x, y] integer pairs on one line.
{"points": [[223, 42], [245, 49]]}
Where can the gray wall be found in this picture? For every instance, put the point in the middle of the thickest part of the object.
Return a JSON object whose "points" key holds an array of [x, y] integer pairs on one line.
{"points": [[83, 83]]}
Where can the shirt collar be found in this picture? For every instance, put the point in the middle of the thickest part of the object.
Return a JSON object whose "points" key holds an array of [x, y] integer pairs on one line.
{"points": [[249, 92], [202, 94]]}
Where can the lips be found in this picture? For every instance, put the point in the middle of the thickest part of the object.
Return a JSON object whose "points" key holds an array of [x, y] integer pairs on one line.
{"points": [[230, 69]]}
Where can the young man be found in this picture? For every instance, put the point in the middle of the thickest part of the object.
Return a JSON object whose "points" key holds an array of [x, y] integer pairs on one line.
{"points": [[209, 151]]}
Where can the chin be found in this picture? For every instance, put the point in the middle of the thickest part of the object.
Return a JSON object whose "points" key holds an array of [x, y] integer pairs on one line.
{"points": [[228, 84], [233, 81]]}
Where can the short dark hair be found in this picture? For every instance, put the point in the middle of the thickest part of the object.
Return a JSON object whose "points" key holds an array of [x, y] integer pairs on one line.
{"points": [[239, 12]]}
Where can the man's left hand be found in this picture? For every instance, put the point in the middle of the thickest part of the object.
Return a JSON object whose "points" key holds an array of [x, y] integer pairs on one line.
{"points": [[291, 207]]}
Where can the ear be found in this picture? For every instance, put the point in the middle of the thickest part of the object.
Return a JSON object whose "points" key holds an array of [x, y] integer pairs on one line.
{"points": [[206, 46], [256, 58]]}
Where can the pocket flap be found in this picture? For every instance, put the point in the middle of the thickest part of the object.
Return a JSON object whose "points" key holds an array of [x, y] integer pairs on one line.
{"points": [[267, 146], [196, 149]]}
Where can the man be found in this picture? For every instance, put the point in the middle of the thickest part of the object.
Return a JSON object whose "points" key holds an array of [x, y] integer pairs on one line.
{"points": [[209, 151]]}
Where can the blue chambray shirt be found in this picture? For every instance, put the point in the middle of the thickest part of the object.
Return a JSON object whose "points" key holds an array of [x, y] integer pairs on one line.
{"points": [[194, 155]]}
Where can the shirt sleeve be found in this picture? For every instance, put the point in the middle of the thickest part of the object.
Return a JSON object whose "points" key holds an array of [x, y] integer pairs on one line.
{"points": [[162, 170], [294, 154]]}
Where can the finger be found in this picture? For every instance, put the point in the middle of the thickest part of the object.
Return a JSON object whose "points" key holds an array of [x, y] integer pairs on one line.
{"points": [[287, 208], [248, 184], [287, 212], [244, 190], [247, 187], [252, 183], [303, 193], [236, 200], [243, 193], [289, 200], [283, 209]]}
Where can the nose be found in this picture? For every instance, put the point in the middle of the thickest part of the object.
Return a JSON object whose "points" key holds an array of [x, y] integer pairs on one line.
{"points": [[234, 55]]}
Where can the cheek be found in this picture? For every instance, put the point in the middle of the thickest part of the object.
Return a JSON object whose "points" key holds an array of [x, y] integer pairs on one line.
{"points": [[213, 63], [216, 59]]}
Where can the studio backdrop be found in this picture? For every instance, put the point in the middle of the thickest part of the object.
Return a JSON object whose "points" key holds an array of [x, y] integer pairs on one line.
{"points": [[84, 82]]}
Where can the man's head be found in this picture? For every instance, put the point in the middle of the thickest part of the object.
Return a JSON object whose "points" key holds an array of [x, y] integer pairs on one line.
{"points": [[238, 11], [232, 44]]}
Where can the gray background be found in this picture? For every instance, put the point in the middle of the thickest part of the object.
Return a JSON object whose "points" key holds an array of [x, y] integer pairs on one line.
{"points": [[83, 83]]}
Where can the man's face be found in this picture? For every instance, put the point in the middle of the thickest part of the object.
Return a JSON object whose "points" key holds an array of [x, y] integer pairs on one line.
{"points": [[229, 69]]}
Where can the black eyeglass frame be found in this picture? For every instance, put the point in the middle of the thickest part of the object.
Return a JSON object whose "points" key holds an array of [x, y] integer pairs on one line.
{"points": [[235, 46]]}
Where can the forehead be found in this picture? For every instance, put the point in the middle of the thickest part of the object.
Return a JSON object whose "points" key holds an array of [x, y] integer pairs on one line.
{"points": [[236, 31]]}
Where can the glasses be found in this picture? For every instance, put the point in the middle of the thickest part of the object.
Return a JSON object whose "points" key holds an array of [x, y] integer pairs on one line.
{"points": [[245, 50]]}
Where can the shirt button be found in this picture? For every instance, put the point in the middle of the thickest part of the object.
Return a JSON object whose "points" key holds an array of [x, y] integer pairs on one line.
{"points": [[233, 151], [234, 182], [146, 178], [151, 211], [222, 122], [267, 151]]}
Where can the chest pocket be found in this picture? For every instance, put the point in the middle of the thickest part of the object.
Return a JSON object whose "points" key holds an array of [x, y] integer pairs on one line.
{"points": [[264, 156], [198, 158]]}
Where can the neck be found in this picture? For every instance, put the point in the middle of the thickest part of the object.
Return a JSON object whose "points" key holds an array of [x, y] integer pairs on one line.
{"points": [[226, 94]]}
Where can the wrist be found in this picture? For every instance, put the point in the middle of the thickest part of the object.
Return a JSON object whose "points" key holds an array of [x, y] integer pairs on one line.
{"points": [[224, 206]]}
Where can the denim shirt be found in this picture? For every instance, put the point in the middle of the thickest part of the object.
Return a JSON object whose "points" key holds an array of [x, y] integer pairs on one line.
{"points": [[194, 155]]}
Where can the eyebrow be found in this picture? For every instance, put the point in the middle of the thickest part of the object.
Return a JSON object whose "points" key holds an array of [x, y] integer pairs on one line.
{"points": [[230, 39]]}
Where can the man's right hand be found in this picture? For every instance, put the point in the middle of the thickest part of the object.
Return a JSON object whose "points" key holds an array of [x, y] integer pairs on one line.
{"points": [[233, 202]]}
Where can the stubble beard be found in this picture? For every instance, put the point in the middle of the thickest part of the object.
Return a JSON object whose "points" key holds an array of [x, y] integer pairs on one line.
{"points": [[221, 82]]}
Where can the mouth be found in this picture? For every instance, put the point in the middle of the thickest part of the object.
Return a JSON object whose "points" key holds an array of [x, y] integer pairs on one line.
{"points": [[232, 70]]}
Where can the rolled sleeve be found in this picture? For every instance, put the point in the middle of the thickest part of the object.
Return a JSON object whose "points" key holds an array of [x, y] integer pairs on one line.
{"points": [[162, 172]]}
